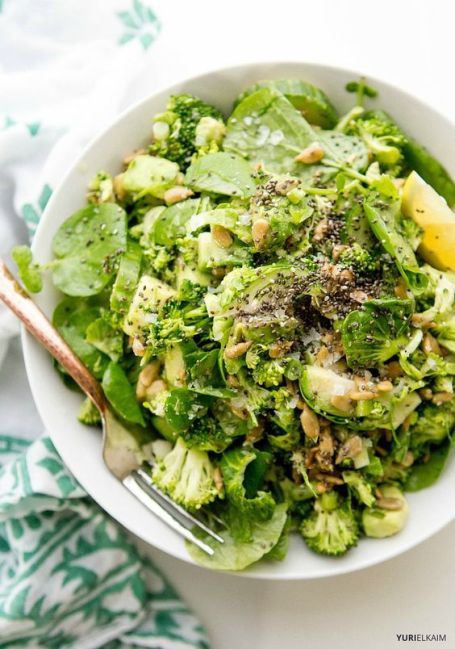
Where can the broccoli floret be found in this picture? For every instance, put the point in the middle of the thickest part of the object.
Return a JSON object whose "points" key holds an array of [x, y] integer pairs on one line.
{"points": [[206, 434], [360, 487], [269, 373], [187, 476], [89, 413], [331, 528], [178, 320], [383, 139], [175, 130], [434, 424], [359, 259]]}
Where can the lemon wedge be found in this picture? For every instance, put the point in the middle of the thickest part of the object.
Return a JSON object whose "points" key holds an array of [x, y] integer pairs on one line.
{"points": [[429, 210]]}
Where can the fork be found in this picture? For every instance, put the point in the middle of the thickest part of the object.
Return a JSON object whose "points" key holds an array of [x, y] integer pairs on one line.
{"points": [[120, 450]]}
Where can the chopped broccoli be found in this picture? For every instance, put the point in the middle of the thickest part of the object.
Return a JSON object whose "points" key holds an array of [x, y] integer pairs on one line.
{"points": [[360, 487], [269, 373], [331, 528], [206, 434], [187, 476], [434, 424], [359, 259], [179, 141], [89, 413], [178, 320]]}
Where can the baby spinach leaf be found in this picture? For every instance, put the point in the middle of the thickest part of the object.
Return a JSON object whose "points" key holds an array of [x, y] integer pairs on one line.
{"points": [[29, 272], [87, 246], [377, 332], [221, 173], [265, 127], [72, 317], [423, 475], [383, 216], [120, 394], [237, 555], [105, 337], [312, 102], [127, 279]]}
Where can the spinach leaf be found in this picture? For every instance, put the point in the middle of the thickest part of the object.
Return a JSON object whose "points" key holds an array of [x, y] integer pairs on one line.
{"points": [[103, 335], [29, 272], [377, 332], [383, 216], [237, 555], [312, 102], [127, 278], [265, 127], [120, 394], [72, 317], [221, 173], [87, 246], [422, 475]]}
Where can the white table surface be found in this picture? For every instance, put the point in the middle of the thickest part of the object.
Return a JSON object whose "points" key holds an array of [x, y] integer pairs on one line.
{"points": [[408, 43]]}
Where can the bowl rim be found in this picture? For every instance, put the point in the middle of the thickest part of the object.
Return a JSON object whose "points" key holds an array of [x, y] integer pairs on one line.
{"points": [[28, 342]]}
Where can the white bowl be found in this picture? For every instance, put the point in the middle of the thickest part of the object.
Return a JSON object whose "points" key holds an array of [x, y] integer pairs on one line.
{"points": [[80, 447]]}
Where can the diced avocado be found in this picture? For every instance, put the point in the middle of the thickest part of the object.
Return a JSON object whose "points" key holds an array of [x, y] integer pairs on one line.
{"points": [[164, 428], [150, 295], [149, 175], [319, 385], [211, 255], [174, 366], [190, 272]]}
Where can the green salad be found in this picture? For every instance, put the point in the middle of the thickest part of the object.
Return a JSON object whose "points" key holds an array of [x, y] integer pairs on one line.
{"points": [[267, 298]]}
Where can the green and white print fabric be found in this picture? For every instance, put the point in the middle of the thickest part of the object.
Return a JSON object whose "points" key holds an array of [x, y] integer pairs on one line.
{"points": [[69, 575]]}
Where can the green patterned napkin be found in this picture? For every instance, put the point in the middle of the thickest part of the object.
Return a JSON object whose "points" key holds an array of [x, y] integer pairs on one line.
{"points": [[69, 576]]}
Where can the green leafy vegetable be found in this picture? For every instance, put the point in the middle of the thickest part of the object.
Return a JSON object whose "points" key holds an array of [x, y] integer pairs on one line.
{"points": [[425, 474], [87, 246], [383, 215], [377, 332], [120, 394], [312, 102], [238, 555], [221, 173], [29, 272]]}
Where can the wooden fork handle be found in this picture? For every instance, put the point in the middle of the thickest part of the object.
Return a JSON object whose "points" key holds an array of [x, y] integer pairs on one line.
{"points": [[22, 305]]}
